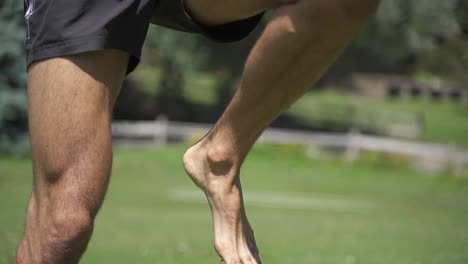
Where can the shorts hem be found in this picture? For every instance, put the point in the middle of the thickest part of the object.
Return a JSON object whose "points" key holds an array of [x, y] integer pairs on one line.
{"points": [[84, 44], [183, 20]]}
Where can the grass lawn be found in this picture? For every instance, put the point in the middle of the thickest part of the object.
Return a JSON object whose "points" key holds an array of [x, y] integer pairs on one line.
{"points": [[303, 211]]}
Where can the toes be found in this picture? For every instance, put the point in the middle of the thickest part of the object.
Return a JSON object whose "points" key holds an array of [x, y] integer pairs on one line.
{"points": [[247, 248], [249, 260], [241, 256], [224, 250], [255, 253], [247, 255], [227, 253], [254, 256], [232, 261], [257, 258], [252, 244]]}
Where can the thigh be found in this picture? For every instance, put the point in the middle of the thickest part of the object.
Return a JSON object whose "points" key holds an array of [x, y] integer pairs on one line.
{"points": [[70, 101]]}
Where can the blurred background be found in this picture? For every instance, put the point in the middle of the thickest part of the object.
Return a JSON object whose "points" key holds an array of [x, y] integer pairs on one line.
{"points": [[370, 166]]}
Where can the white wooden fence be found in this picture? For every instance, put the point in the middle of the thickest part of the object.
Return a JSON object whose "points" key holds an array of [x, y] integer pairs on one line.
{"points": [[159, 132]]}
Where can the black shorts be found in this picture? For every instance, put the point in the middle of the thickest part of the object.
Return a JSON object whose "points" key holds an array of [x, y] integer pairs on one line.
{"points": [[63, 27]]}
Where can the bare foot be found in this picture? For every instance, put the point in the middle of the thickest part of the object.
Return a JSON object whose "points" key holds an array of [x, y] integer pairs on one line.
{"points": [[218, 178]]}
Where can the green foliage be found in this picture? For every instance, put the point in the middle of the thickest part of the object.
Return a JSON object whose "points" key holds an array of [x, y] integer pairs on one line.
{"points": [[449, 61], [176, 55], [12, 74], [13, 138], [443, 122], [400, 39], [404, 29], [179, 56], [461, 13], [185, 50], [13, 105]]}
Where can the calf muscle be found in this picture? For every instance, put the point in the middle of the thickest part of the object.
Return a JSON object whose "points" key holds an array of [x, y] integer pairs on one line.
{"points": [[69, 118]]}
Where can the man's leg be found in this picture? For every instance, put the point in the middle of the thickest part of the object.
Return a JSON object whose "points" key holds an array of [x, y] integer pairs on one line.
{"points": [[69, 120], [299, 43]]}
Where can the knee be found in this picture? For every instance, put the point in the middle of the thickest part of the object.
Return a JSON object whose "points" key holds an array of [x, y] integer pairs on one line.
{"points": [[69, 230]]}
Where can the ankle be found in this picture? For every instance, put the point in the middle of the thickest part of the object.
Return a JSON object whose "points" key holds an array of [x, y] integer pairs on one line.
{"points": [[222, 160]]}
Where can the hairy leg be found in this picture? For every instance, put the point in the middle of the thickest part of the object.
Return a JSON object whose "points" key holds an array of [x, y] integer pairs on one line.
{"points": [[70, 102], [299, 43]]}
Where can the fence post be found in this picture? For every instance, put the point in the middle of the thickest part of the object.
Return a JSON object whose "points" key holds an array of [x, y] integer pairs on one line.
{"points": [[160, 136], [464, 96], [455, 160], [352, 146]]}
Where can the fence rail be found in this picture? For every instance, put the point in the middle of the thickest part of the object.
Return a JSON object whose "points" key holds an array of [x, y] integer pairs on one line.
{"points": [[158, 132]]}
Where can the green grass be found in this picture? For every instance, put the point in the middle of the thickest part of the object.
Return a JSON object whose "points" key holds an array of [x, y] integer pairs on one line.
{"points": [[413, 219]]}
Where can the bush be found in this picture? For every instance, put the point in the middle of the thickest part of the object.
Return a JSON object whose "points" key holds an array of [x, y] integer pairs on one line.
{"points": [[13, 103]]}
